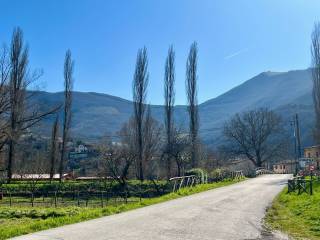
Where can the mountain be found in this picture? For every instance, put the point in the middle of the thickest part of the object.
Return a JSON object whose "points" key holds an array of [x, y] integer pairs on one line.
{"points": [[286, 93], [96, 114]]}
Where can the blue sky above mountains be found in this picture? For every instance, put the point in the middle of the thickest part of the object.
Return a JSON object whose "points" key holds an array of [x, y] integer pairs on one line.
{"points": [[237, 39]]}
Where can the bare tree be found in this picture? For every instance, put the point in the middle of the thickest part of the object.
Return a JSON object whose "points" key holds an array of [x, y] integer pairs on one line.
{"points": [[34, 170], [257, 135], [151, 144], [315, 53], [191, 88], [54, 147], [68, 85], [4, 94], [18, 81], [179, 149], [21, 116], [139, 88], [169, 97], [117, 158]]}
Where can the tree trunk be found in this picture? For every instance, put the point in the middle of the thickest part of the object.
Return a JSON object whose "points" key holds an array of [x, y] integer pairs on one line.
{"points": [[10, 160]]}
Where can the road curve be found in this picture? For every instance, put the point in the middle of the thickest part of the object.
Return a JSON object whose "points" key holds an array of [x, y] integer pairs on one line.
{"points": [[232, 212]]}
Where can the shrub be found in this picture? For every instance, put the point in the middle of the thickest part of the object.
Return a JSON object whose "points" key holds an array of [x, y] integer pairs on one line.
{"points": [[7, 213], [201, 174], [219, 174]]}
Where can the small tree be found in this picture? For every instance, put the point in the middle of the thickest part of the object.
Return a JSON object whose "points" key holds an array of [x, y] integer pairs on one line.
{"points": [[256, 134], [191, 87], [151, 145], [33, 169], [68, 85], [180, 151], [117, 159]]}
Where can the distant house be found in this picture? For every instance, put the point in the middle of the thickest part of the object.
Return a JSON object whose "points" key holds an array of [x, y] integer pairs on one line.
{"points": [[312, 155], [45, 176], [312, 152], [79, 152], [285, 167], [81, 148]]}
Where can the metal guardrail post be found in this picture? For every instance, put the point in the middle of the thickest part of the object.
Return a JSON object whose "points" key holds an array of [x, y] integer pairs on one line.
{"points": [[182, 180], [174, 186]]}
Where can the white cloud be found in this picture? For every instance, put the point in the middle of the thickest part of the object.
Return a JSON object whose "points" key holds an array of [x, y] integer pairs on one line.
{"points": [[236, 53]]}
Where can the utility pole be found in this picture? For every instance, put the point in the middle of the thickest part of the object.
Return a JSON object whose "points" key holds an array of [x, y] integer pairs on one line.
{"points": [[297, 141], [298, 136]]}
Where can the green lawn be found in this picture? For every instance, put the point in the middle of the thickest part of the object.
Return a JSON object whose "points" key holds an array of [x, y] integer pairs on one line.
{"points": [[16, 221], [296, 215]]}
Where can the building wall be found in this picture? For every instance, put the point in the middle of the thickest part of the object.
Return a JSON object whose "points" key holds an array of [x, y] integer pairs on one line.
{"points": [[312, 152], [282, 168]]}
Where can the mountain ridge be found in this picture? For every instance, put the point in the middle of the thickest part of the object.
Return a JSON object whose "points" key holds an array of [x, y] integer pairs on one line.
{"points": [[95, 114]]}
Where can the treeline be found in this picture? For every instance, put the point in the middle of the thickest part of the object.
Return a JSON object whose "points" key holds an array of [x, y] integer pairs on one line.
{"points": [[148, 149]]}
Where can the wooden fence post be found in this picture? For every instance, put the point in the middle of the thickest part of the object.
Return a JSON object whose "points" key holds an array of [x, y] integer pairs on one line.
{"points": [[78, 198], [32, 198], [10, 199], [55, 198], [102, 204]]}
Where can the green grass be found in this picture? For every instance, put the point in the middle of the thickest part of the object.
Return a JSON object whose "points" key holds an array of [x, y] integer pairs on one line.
{"points": [[296, 215], [17, 221]]}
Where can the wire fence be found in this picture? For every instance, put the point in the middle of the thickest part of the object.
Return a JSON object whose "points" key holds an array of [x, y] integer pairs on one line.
{"points": [[94, 194], [65, 198]]}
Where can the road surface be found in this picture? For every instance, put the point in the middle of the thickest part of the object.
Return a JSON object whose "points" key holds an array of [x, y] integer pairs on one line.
{"points": [[232, 212]]}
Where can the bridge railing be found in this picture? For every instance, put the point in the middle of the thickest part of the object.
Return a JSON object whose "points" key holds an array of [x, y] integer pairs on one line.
{"points": [[192, 180], [237, 175], [261, 171], [184, 181]]}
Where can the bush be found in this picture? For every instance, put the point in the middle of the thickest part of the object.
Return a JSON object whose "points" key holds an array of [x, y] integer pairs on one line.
{"points": [[201, 174], [7, 213], [219, 174]]}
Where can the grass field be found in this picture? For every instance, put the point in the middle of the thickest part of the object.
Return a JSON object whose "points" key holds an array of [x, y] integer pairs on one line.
{"points": [[296, 215], [16, 221]]}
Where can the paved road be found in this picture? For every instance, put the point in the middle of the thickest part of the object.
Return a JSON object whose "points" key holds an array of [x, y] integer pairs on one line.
{"points": [[232, 212]]}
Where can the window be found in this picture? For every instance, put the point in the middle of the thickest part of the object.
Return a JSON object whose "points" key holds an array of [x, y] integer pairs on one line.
{"points": [[309, 155], [284, 166], [317, 154]]}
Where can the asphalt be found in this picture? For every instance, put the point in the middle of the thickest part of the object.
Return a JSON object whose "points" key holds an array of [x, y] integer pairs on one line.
{"points": [[233, 212]]}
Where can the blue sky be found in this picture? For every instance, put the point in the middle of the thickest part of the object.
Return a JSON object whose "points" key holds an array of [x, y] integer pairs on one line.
{"points": [[237, 39]]}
